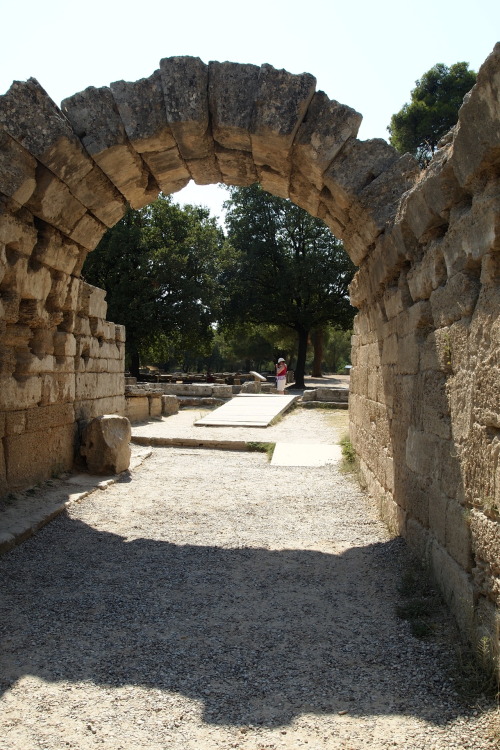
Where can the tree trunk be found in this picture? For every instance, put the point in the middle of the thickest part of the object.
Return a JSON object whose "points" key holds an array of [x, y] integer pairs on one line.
{"points": [[303, 336], [134, 363], [317, 339]]}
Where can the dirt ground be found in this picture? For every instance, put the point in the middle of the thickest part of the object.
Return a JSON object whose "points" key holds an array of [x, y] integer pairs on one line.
{"points": [[210, 600]]}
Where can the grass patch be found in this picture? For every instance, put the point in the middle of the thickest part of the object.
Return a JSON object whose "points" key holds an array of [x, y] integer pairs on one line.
{"points": [[349, 458], [475, 672], [262, 448]]}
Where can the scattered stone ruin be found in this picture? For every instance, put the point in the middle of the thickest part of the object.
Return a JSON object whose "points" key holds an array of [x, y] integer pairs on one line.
{"points": [[425, 396]]}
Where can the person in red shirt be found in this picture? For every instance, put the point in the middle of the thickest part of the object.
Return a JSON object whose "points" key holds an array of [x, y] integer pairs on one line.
{"points": [[281, 370]]}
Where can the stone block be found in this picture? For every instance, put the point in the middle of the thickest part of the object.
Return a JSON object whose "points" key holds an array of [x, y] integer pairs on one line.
{"points": [[36, 456], [392, 514], [142, 110], [432, 399], [378, 202], [55, 250], [222, 391], [155, 405], [100, 196], [95, 119], [455, 300], [251, 387], [450, 478], [28, 363], [274, 182], [106, 444], [232, 91], [64, 344], [430, 274], [96, 407], [46, 417], [480, 113], [438, 504], [86, 386], [15, 423], [20, 394], [326, 127], [357, 164], [120, 333], [7, 361], [310, 395], [57, 388], [91, 301], [169, 405], [53, 202], [485, 396], [17, 231], [137, 408], [408, 355], [485, 535], [17, 170], [49, 137], [419, 540], [236, 167], [36, 283], [423, 452], [88, 232], [458, 535], [421, 216], [332, 394], [185, 89], [281, 102], [455, 585], [390, 351]]}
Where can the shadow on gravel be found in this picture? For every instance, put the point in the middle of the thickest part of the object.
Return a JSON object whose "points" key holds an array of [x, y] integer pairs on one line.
{"points": [[256, 636]]}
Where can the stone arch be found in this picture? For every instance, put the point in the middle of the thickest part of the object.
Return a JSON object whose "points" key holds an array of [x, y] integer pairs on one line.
{"points": [[425, 415]]}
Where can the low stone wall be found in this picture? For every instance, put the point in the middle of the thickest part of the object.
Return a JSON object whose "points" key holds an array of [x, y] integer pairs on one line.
{"points": [[60, 363], [330, 395]]}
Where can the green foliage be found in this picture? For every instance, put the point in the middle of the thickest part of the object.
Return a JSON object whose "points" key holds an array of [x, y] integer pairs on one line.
{"points": [[337, 349], [348, 454], [158, 266], [262, 448], [286, 269], [432, 111]]}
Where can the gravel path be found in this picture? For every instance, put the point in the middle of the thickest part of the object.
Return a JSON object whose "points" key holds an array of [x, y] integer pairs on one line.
{"points": [[212, 601]]}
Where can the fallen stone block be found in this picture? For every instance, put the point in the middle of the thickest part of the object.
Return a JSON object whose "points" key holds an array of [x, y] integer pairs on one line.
{"points": [[106, 444]]}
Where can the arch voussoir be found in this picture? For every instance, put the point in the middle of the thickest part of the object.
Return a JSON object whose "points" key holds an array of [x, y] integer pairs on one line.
{"points": [[141, 106]]}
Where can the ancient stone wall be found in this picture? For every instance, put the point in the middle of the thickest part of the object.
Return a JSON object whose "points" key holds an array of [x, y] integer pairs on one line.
{"points": [[425, 411], [425, 386]]}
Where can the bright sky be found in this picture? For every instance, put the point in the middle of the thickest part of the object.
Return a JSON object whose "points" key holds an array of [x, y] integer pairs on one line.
{"points": [[365, 54]]}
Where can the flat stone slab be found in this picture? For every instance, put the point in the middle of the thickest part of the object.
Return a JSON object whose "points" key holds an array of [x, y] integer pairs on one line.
{"points": [[247, 410], [306, 454]]}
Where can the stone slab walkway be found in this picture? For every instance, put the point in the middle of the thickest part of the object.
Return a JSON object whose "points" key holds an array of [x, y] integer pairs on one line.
{"points": [[247, 410]]}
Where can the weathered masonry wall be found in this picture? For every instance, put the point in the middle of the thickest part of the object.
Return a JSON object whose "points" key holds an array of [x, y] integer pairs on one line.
{"points": [[425, 388], [425, 403], [425, 411]]}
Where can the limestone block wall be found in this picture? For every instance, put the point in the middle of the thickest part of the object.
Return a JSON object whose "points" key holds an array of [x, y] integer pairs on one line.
{"points": [[425, 385], [425, 411]]}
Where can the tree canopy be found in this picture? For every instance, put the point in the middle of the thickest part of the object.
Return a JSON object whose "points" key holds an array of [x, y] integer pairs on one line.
{"points": [[433, 110], [158, 266], [287, 269]]}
